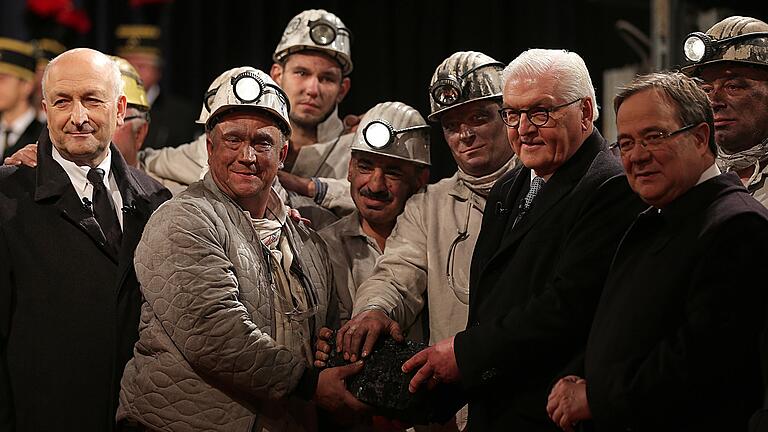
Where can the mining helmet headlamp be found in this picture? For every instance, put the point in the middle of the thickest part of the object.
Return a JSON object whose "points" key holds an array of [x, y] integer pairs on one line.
{"points": [[379, 134], [700, 46], [395, 130], [247, 88], [449, 89], [318, 30], [324, 32]]}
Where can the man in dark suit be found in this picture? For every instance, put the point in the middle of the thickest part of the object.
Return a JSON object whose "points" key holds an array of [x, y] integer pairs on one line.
{"points": [[548, 234], [18, 123], [674, 345], [69, 299]]}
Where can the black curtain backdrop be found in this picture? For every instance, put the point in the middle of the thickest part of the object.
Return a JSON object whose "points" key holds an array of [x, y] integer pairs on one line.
{"points": [[396, 44]]}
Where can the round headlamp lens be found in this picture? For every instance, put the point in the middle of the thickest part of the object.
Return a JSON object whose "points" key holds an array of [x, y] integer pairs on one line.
{"points": [[247, 88], [446, 91], [378, 134], [694, 48], [322, 33]]}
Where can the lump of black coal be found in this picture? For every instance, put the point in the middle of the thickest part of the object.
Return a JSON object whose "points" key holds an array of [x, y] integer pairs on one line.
{"points": [[383, 385]]}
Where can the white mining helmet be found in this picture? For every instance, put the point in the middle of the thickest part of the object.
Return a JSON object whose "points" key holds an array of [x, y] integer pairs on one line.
{"points": [[465, 76], [205, 111], [318, 30], [246, 87], [396, 130]]}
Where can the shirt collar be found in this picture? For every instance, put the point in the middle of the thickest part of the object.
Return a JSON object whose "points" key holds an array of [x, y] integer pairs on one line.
{"points": [[20, 124], [78, 175], [712, 171]]}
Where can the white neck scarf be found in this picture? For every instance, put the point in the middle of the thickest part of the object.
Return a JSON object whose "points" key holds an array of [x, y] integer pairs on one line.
{"points": [[482, 185]]}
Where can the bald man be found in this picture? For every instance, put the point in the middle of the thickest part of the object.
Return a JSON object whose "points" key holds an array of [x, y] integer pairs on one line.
{"points": [[69, 300]]}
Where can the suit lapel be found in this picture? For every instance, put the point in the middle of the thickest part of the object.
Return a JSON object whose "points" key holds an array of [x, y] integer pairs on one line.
{"points": [[502, 211], [52, 183], [555, 190], [136, 211]]}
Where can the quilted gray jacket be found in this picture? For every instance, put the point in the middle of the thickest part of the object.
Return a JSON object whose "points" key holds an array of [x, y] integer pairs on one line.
{"points": [[206, 358]]}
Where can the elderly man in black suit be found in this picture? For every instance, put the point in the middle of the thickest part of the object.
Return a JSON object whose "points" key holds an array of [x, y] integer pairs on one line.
{"points": [[69, 299], [674, 343], [548, 234]]}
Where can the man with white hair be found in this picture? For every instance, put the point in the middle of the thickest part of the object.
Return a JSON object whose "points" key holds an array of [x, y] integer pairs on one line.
{"points": [[543, 250], [69, 299]]}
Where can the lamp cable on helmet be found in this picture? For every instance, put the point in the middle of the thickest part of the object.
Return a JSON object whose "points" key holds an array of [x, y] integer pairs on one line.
{"points": [[448, 89], [379, 134], [699, 47]]}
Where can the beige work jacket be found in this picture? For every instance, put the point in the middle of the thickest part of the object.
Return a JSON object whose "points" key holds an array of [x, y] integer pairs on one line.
{"points": [[416, 259]]}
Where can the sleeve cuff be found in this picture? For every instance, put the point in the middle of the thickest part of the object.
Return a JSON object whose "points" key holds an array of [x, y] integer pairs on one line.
{"points": [[321, 188]]}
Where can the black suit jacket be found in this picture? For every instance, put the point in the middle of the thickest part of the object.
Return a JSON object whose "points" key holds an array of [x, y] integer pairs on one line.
{"points": [[676, 338], [29, 136], [68, 307], [534, 288]]}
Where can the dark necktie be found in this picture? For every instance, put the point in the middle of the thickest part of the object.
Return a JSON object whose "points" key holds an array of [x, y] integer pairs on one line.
{"points": [[104, 209], [7, 139], [525, 205]]}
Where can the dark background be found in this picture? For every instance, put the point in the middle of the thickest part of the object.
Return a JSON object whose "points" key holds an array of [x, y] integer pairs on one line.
{"points": [[396, 44]]}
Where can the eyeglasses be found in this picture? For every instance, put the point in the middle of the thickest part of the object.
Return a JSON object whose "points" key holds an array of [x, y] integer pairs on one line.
{"points": [[537, 116], [651, 140]]}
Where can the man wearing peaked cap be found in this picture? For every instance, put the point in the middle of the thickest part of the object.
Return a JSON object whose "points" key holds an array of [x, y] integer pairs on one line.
{"points": [[172, 116], [130, 136], [18, 119], [46, 49], [258, 287]]}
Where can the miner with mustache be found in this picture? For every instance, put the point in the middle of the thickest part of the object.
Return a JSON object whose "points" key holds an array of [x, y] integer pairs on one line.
{"points": [[389, 163]]}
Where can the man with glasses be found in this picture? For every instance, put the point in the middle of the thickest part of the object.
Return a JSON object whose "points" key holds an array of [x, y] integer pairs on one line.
{"points": [[543, 251], [234, 291], [674, 342]]}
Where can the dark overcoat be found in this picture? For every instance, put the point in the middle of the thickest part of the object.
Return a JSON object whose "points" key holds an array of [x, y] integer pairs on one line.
{"points": [[68, 307], [29, 136], [675, 344], [534, 287]]}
